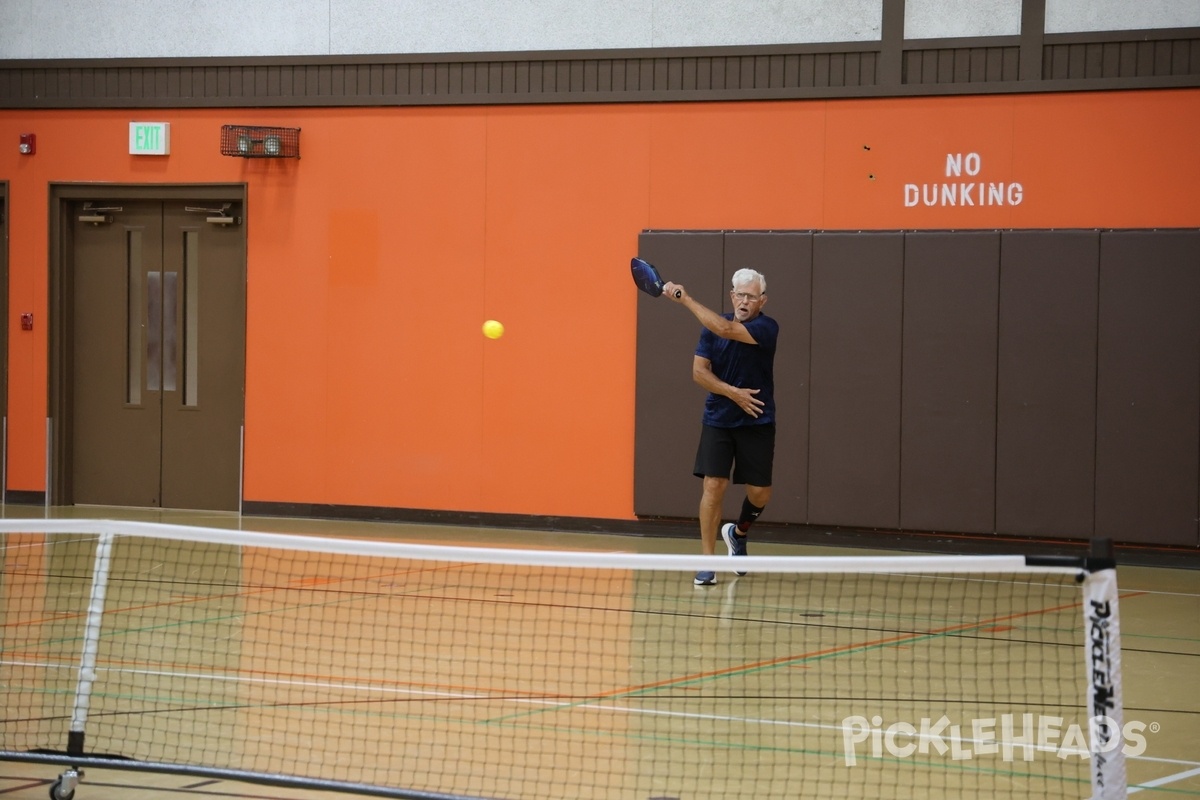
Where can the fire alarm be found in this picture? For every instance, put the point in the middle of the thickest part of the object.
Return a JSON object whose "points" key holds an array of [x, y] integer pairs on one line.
{"points": [[28, 144]]}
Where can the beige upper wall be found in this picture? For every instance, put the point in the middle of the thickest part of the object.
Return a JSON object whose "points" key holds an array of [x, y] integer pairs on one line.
{"points": [[36, 29], [191, 28], [1067, 16], [937, 19]]}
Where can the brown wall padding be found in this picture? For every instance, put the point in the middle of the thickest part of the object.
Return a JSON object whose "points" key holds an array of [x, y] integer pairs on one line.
{"points": [[669, 406], [948, 407], [1041, 383], [854, 416], [1046, 403], [785, 259], [1148, 388]]}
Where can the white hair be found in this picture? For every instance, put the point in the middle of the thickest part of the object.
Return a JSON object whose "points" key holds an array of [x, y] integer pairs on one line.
{"points": [[745, 275]]}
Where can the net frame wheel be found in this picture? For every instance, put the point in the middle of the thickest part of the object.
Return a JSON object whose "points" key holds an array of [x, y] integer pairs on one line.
{"points": [[63, 787]]}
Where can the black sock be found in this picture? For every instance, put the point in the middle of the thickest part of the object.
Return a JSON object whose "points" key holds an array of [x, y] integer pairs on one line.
{"points": [[749, 513]]}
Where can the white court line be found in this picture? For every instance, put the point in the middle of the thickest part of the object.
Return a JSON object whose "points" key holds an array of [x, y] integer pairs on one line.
{"points": [[816, 725], [843, 729], [1179, 776], [625, 710], [545, 702], [1168, 760], [1159, 592], [272, 681]]}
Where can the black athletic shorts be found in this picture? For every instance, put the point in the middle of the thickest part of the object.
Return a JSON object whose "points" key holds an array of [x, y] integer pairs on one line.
{"points": [[748, 450]]}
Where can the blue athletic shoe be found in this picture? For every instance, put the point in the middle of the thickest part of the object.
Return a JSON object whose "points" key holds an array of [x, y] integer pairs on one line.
{"points": [[705, 578], [735, 543]]}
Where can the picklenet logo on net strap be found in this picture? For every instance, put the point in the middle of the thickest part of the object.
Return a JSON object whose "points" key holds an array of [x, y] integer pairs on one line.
{"points": [[1103, 692], [1012, 737]]}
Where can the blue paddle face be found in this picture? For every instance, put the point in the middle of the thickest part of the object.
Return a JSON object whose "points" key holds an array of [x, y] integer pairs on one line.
{"points": [[646, 277]]}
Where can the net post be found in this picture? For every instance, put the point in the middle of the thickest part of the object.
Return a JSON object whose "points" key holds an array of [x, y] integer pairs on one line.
{"points": [[91, 645], [1102, 653]]}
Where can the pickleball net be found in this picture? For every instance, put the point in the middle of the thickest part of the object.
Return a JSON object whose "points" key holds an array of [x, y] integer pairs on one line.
{"points": [[416, 671]]}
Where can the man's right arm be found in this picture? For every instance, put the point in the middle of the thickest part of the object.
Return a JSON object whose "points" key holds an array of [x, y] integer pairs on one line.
{"points": [[725, 328]]}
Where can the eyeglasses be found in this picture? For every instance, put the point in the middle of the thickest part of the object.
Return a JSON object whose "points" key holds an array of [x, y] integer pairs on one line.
{"points": [[754, 298]]}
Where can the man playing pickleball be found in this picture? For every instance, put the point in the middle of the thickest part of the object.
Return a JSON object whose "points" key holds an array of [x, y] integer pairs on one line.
{"points": [[734, 361]]}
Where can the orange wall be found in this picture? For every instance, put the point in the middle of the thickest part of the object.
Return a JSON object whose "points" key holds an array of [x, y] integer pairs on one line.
{"points": [[374, 259]]}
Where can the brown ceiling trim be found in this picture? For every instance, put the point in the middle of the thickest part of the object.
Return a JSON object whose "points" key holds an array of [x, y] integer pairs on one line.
{"points": [[441, 58], [982, 65], [1142, 35]]}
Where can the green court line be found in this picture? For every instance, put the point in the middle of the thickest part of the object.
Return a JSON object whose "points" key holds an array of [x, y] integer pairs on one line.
{"points": [[238, 616], [914, 638], [107, 633], [677, 740], [508, 721], [684, 741], [667, 740]]}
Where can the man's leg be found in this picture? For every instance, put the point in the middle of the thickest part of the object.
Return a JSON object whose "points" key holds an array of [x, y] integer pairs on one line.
{"points": [[714, 459], [734, 534], [710, 512], [757, 497]]}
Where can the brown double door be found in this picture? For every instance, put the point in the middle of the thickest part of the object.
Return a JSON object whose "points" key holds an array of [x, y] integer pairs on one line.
{"points": [[157, 355]]}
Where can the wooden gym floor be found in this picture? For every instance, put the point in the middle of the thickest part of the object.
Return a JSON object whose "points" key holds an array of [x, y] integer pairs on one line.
{"points": [[1160, 619]]}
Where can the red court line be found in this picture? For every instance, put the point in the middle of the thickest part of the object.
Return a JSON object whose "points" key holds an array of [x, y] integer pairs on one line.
{"points": [[891, 640], [300, 582], [485, 692], [296, 583]]}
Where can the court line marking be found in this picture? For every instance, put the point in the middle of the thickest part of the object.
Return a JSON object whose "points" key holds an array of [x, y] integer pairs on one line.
{"points": [[361, 595], [900, 640], [38, 783], [655, 713], [1016, 745], [714, 717], [906, 638], [297, 584], [1153, 784], [821, 726], [630, 691], [816, 655], [458, 695], [237, 678], [956, 765]]}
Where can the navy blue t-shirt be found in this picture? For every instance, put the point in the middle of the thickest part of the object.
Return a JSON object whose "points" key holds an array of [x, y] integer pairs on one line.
{"points": [[746, 366]]}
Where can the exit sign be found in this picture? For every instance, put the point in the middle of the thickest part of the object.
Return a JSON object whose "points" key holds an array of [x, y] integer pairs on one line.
{"points": [[149, 138]]}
